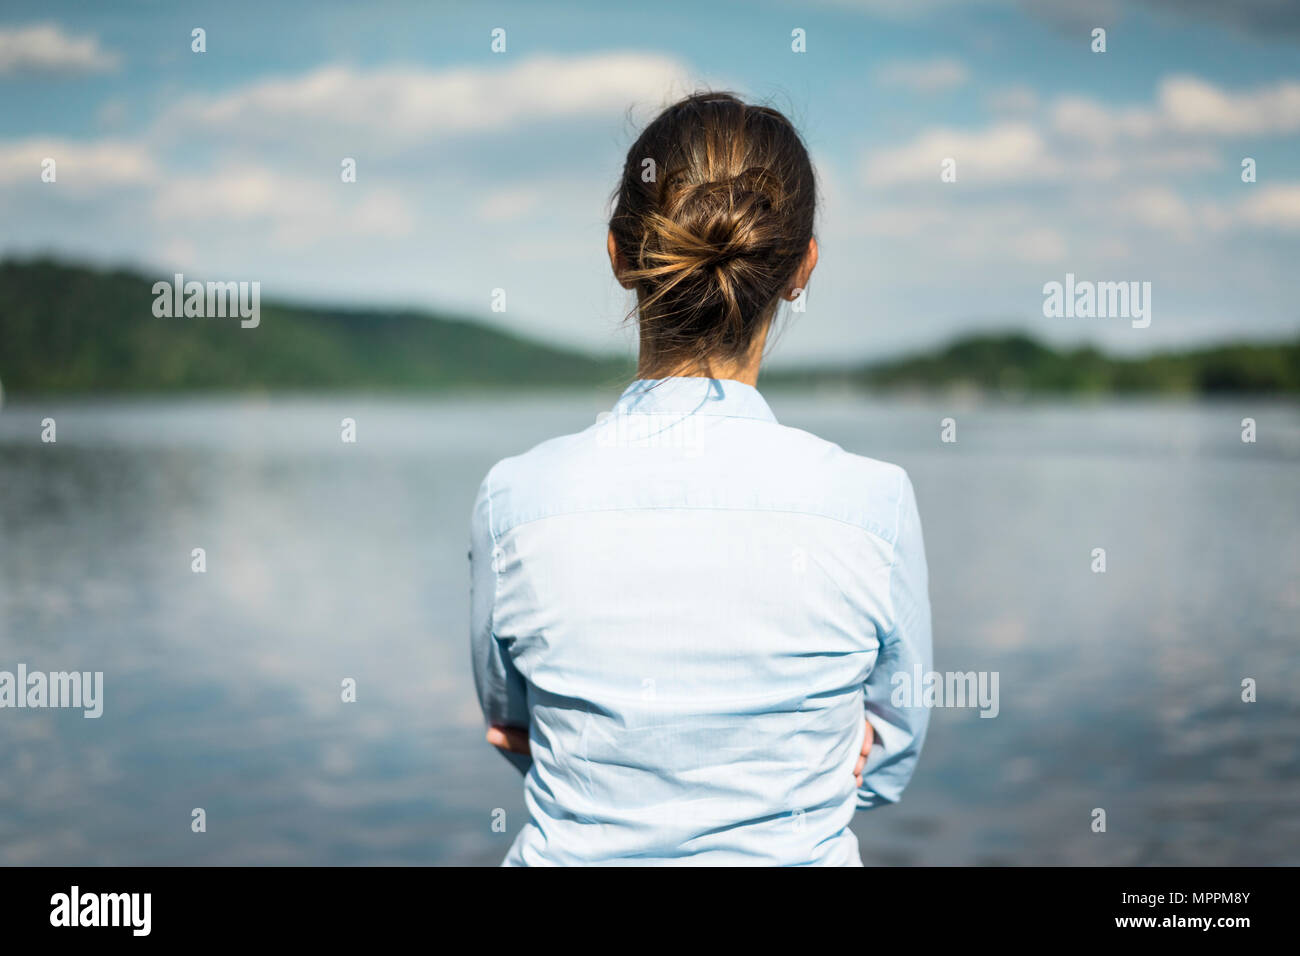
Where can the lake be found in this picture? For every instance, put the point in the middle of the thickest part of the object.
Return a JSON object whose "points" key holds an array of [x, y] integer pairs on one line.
{"points": [[324, 561]]}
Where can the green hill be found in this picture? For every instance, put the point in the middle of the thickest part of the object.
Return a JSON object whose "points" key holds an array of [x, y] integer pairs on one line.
{"points": [[66, 328], [1014, 363], [73, 329]]}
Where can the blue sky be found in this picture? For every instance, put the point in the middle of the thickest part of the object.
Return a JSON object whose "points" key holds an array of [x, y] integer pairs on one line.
{"points": [[479, 171]]}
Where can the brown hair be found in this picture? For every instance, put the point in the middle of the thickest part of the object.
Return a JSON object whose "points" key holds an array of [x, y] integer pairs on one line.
{"points": [[712, 232]]}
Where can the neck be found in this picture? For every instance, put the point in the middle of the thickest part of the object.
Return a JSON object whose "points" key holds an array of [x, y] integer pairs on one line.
{"points": [[744, 369], [746, 373]]}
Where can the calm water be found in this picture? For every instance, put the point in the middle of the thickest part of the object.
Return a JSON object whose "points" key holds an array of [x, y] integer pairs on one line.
{"points": [[1118, 690]]}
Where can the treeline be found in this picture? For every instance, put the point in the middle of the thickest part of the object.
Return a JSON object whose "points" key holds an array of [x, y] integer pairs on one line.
{"points": [[1014, 363], [67, 328], [73, 329]]}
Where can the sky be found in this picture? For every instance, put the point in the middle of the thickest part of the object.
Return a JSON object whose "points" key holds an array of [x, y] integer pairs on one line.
{"points": [[479, 170]]}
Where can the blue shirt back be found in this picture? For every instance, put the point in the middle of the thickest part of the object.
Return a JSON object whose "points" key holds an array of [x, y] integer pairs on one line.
{"points": [[692, 608]]}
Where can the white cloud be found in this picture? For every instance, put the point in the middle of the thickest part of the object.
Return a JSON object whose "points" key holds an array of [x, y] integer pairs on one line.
{"points": [[1078, 139], [1275, 206], [1158, 207], [1192, 105], [504, 205], [403, 105], [1039, 244], [1187, 106], [233, 195], [285, 209], [77, 164], [923, 76], [45, 48], [940, 224], [897, 9], [1082, 118], [899, 221], [1004, 152], [381, 212], [1134, 161], [1161, 208], [1016, 99]]}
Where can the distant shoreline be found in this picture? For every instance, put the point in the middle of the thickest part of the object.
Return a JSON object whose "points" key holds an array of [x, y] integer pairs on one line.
{"points": [[69, 330]]}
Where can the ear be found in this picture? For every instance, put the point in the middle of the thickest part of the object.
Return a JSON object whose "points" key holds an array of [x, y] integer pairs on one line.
{"points": [[616, 261], [804, 272]]}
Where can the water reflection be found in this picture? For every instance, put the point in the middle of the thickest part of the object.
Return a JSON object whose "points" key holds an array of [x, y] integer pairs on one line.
{"points": [[329, 561]]}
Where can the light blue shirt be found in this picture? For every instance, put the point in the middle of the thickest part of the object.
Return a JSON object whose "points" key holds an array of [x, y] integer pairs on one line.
{"points": [[692, 608]]}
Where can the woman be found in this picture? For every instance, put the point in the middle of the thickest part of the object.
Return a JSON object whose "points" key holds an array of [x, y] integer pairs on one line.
{"points": [[682, 615]]}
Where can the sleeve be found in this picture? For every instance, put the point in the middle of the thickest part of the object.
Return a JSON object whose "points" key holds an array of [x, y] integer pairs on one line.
{"points": [[502, 693], [899, 719]]}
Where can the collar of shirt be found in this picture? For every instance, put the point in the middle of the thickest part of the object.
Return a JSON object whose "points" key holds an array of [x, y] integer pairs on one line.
{"points": [[693, 396]]}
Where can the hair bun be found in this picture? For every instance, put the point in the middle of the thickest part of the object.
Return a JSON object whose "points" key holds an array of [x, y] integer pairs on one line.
{"points": [[712, 244], [719, 221]]}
